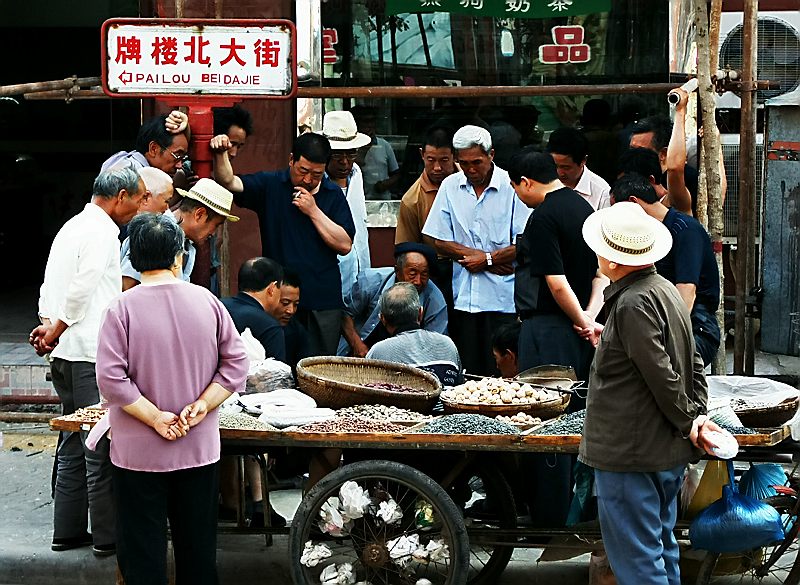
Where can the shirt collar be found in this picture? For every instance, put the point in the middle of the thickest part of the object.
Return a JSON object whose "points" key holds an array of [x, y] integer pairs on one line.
{"points": [[426, 184], [101, 215], [584, 186], [248, 299], [494, 182], [615, 288]]}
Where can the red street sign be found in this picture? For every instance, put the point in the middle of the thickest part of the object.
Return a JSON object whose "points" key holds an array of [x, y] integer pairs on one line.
{"points": [[178, 57]]}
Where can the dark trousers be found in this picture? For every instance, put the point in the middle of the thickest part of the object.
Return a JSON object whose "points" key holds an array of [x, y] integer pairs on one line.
{"points": [[83, 477], [472, 333], [637, 514], [324, 329], [705, 330], [145, 500]]}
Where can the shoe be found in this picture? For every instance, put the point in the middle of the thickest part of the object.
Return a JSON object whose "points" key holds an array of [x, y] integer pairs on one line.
{"points": [[275, 519], [61, 544], [104, 550]]}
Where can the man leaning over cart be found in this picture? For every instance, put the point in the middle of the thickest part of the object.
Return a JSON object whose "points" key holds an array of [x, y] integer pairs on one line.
{"points": [[645, 412]]}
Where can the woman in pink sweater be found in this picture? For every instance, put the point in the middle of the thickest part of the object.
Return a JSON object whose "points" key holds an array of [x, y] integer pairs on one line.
{"points": [[168, 355]]}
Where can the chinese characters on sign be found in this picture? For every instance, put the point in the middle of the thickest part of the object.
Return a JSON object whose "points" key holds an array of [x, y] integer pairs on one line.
{"points": [[330, 37], [501, 8], [568, 46], [207, 59]]}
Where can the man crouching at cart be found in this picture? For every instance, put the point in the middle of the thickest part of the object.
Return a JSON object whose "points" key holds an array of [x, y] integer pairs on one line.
{"points": [[645, 412]]}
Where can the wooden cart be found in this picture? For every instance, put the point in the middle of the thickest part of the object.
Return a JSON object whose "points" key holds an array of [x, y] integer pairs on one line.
{"points": [[433, 479]]}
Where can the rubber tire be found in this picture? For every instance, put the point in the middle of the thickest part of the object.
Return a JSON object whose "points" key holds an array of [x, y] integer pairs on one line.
{"points": [[309, 506], [705, 574], [495, 483]]}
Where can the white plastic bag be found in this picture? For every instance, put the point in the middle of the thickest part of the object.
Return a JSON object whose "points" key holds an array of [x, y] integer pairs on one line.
{"points": [[288, 417], [389, 512], [401, 549], [437, 551], [355, 500], [314, 553], [252, 346], [332, 521]]}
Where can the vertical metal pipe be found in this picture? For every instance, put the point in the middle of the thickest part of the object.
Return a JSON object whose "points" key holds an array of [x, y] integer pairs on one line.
{"points": [[745, 256]]}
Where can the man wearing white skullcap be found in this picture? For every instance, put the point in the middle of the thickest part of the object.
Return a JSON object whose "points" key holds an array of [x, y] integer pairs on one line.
{"points": [[475, 220]]}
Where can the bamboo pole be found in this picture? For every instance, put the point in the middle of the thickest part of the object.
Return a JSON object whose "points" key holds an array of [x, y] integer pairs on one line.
{"points": [[61, 84]]}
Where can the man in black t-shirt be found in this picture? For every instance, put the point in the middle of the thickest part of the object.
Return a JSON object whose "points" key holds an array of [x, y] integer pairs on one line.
{"points": [[558, 294], [690, 264]]}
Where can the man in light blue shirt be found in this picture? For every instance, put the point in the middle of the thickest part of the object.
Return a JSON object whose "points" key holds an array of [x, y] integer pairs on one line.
{"points": [[475, 220], [361, 325]]}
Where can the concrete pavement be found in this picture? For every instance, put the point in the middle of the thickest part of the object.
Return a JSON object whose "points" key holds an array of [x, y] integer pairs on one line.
{"points": [[26, 508]]}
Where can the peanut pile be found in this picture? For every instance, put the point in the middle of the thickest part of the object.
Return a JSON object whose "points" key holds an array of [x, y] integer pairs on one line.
{"points": [[497, 391], [352, 425]]}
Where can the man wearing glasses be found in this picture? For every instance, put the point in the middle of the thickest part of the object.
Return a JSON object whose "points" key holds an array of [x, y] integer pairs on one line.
{"points": [[305, 223], [162, 142]]}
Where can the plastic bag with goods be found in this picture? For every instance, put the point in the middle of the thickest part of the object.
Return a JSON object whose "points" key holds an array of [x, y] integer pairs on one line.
{"points": [[355, 500], [268, 375], [252, 346], [390, 512], [332, 521], [758, 481], [735, 523], [313, 554], [401, 549], [282, 417], [423, 514]]}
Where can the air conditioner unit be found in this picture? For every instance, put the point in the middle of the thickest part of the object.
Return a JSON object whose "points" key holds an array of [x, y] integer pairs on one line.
{"points": [[778, 55], [778, 52]]}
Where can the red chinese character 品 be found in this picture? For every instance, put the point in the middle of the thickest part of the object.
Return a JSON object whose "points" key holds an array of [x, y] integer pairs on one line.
{"points": [[330, 37]]}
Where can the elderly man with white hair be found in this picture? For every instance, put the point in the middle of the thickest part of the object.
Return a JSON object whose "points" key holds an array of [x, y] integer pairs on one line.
{"points": [[475, 220]]}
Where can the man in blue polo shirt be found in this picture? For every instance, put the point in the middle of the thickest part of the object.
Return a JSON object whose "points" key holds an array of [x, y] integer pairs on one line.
{"points": [[305, 222], [690, 264]]}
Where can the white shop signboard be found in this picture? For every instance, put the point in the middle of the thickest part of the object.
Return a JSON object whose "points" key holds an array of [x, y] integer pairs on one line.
{"points": [[146, 57]]}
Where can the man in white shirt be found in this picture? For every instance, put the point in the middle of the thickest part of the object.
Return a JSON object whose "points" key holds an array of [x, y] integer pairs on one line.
{"points": [[81, 278], [569, 149], [475, 220], [340, 129]]}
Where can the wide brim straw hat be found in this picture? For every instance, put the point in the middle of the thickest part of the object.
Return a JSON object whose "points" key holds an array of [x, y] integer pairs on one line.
{"points": [[340, 129], [625, 234], [213, 195]]}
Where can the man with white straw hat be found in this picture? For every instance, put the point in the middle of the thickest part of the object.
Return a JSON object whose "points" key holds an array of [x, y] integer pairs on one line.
{"points": [[647, 398], [340, 129], [202, 210]]}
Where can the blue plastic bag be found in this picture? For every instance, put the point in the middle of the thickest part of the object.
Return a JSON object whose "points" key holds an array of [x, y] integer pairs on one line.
{"points": [[735, 523], [757, 481]]}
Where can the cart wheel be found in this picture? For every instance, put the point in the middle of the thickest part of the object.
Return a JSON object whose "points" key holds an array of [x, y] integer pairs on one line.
{"points": [[778, 563], [369, 543], [488, 502]]}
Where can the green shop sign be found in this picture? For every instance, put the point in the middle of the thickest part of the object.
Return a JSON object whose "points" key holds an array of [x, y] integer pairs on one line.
{"points": [[502, 8]]}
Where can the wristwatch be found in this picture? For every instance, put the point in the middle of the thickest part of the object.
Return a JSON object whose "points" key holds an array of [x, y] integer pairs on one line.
{"points": [[488, 258]]}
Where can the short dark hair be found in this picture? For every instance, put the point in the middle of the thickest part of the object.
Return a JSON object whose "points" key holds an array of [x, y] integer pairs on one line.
{"points": [[570, 142], [506, 338], [155, 240], [535, 165], [153, 130], [290, 278], [439, 137], [642, 161], [660, 126], [313, 147], [224, 118], [399, 304], [257, 273], [634, 185]]}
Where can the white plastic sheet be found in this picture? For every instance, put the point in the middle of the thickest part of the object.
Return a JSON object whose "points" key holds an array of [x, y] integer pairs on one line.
{"points": [[389, 512], [313, 554]]}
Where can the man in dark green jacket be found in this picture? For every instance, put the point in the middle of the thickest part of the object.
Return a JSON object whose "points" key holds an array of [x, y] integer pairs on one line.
{"points": [[645, 412]]}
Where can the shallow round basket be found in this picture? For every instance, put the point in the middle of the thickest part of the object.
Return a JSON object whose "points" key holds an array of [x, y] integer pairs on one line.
{"points": [[543, 410], [337, 382], [774, 416]]}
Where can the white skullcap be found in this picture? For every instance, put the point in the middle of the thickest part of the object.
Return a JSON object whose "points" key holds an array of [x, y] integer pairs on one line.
{"points": [[155, 180], [469, 136]]}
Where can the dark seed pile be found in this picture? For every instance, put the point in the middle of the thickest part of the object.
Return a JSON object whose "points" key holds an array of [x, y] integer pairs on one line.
{"points": [[569, 424], [468, 424], [739, 430]]}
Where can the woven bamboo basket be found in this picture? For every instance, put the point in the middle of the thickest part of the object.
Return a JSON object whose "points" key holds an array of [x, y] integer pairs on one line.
{"points": [[544, 410], [773, 416], [337, 382]]}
